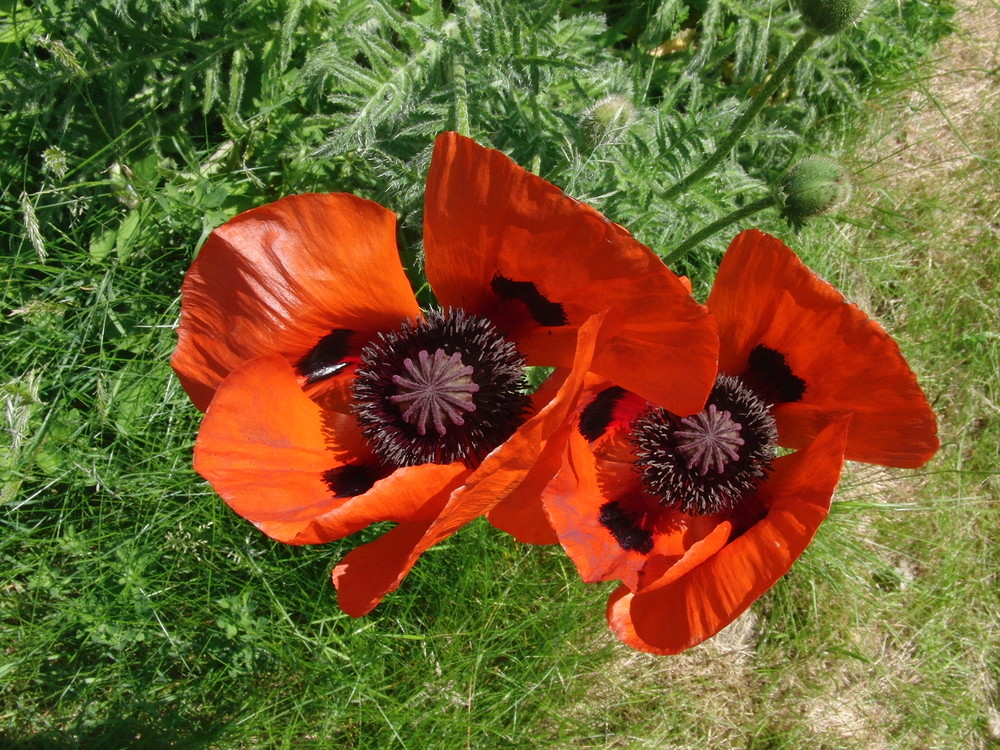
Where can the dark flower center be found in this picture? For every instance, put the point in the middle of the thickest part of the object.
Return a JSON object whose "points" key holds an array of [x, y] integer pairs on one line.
{"points": [[710, 461], [447, 388]]}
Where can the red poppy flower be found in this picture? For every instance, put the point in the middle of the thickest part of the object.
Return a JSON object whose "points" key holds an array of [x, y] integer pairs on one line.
{"points": [[697, 516], [334, 402]]}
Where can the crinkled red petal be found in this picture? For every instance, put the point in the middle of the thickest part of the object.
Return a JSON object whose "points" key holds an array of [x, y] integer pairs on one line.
{"points": [[667, 619], [764, 295], [504, 243], [268, 450], [277, 279]]}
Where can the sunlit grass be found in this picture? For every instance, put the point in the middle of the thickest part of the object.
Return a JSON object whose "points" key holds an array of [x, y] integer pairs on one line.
{"points": [[138, 611]]}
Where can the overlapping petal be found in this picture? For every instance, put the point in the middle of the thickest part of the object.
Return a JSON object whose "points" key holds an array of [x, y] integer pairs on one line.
{"points": [[764, 295], [671, 617], [504, 243], [279, 278], [299, 474], [523, 464]]}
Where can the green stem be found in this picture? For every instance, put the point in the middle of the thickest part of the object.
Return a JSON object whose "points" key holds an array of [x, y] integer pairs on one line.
{"points": [[756, 105], [461, 97], [707, 231]]}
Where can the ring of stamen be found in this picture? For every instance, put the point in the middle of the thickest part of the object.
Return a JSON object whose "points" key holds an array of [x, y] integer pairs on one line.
{"points": [[446, 388], [711, 461]]}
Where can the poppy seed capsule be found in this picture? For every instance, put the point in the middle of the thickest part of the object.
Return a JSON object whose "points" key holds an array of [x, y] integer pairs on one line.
{"points": [[437, 386], [813, 186], [830, 17]]}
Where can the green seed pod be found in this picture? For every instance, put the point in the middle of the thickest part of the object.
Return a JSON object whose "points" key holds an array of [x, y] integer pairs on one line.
{"points": [[606, 119], [813, 186], [829, 17]]}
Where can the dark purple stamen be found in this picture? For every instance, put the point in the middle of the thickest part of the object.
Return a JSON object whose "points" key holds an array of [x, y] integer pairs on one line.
{"points": [[711, 461], [449, 387]]}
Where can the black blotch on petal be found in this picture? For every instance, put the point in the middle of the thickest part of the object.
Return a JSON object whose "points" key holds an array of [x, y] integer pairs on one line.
{"points": [[597, 415], [770, 377], [350, 480], [629, 535], [544, 312], [326, 358]]}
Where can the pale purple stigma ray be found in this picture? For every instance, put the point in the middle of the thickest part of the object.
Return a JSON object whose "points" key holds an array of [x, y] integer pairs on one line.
{"points": [[439, 386], [711, 441]]}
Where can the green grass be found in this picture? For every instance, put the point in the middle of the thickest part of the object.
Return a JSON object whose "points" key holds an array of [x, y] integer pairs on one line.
{"points": [[137, 610]]}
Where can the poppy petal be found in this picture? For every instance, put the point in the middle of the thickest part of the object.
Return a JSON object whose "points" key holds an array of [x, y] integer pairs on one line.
{"points": [[668, 619], [369, 572], [501, 473], [504, 243], [589, 504], [575, 500], [700, 540], [298, 474], [771, 308], [521, 514], [281, 279]]}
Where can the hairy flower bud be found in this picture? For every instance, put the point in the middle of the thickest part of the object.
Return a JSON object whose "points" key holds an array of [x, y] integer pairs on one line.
{"points": [[829, 17], [606, 119], [812, 186]]}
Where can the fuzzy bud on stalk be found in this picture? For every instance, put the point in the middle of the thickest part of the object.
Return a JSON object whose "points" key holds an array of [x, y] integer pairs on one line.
{"points": [[830, 17], [813, 186], [606, 119]]}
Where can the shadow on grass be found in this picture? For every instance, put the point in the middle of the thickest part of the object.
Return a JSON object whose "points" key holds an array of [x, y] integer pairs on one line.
{"points": [[144, 730]]}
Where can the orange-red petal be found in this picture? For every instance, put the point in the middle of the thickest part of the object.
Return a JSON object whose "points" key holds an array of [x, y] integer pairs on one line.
{"points": [[520, 513], [764, 295], [266, 449], [277, 279], [670, 618], [576, 500], [487, 219], [521, 460], [369, 572], [573, 502]]}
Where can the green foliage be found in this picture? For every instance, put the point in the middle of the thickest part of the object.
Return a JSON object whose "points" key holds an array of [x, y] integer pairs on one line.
{"points": [[261, 98], [136, 609]]}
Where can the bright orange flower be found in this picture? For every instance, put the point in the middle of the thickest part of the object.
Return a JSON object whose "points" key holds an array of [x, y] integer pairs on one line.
{"points": [[697, 516], [333, 402]]}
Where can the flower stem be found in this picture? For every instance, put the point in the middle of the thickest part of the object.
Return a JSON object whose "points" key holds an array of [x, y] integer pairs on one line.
{"points": [[461, 97], [756, 105], [707, 231]]}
